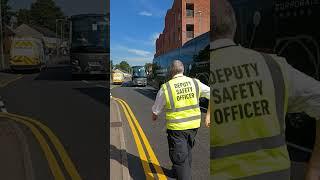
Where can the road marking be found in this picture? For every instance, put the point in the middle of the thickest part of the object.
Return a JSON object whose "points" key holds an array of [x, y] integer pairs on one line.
{"points": [[149, 149], [52, 161], [142, 153], [5, 83], [70, 167], [87, 82]]}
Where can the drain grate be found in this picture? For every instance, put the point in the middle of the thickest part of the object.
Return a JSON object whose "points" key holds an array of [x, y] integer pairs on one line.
{"points": [[115, 124]]}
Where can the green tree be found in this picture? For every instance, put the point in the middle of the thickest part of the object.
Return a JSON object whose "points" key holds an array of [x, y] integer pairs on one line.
{"points": [[44, 13], [124, 66]]}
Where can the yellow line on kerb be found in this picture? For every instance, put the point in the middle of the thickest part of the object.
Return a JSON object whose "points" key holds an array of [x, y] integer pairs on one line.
{"points": [[52, 161], [5, 83], [142, 154], [68, 164], [153, 158]]}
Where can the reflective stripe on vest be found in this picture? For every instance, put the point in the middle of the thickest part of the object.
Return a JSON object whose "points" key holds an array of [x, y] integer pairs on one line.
{"points": [[266, 152], [187, 116]]}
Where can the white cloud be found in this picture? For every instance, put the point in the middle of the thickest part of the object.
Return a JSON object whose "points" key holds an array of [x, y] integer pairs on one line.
{"points": [[137, 52], [145, 13], [133, 61], [154, 37]]}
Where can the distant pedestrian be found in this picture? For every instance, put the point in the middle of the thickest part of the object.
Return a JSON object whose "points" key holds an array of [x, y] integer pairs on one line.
{"points": [[180, 99]]}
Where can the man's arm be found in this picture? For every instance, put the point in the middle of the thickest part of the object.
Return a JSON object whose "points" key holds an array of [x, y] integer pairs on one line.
{"points": [[313, 169], [207, 120], [205, 90], [158, 104], [304, 96]]}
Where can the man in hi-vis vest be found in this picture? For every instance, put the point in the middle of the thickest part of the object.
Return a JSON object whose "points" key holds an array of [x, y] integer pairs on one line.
{"points": [[180, 99], [251, 93]]}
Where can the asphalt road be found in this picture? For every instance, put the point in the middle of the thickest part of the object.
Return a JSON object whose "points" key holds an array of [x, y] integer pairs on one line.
{"points": [[140, 100], [76, 111]]}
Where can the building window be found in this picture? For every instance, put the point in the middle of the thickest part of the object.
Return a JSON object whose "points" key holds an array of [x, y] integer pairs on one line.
{"points": [[190, 30], [190, 9]]}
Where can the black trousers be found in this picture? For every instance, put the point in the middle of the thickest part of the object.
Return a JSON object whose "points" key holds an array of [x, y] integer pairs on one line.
{"points": [[180, 151]]}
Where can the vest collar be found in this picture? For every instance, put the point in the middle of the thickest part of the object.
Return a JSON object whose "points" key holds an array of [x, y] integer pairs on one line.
{"points": [[177, 75], [221, 43]]}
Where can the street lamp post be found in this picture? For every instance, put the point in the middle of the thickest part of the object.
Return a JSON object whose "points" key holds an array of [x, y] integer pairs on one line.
{"points": [[1, 36]]}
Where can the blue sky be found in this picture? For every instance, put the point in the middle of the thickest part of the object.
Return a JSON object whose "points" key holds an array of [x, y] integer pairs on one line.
{"points": [[135, 25]]}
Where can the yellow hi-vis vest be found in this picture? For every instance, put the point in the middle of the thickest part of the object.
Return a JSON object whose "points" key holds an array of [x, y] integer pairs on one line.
{"points": [[182, 103], [249, 103]]}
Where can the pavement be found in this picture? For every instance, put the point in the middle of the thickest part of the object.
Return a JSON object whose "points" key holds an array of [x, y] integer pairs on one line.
{"points": [[14, 152], [72, 111], [118, 154]]}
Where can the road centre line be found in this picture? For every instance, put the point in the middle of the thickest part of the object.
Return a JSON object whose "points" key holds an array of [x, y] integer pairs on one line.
{"points": [[52, 161], [149, 149], [66, 160], [5, 83], [142, 154]]}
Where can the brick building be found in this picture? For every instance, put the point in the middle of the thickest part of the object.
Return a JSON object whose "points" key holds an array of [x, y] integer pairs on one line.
{"points": [[184, 21]]}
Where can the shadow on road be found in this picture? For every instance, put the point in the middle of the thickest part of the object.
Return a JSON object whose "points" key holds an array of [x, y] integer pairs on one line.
{"points": [[14, 72], [63, 73], [115, 155], [150, 93], [127, 84], [99, 94], [57, 73]]}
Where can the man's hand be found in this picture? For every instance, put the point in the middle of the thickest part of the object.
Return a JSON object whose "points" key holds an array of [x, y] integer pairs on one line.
{"points": [[313, 174], [313, 170], [207, 120], [154, 117]]}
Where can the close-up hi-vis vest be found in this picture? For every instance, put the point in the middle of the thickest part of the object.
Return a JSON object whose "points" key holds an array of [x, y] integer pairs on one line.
{"points": [[249, 101], [182, 103]]}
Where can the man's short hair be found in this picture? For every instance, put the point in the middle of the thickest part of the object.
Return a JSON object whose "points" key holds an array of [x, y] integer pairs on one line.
{"points": [[176, 67], [223, 20]]}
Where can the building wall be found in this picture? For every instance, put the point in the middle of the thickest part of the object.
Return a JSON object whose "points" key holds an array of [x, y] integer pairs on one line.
{"points": [[175, 32]]}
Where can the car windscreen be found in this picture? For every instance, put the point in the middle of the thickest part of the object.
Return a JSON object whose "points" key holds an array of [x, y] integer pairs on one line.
{"points": [[139, 72]]}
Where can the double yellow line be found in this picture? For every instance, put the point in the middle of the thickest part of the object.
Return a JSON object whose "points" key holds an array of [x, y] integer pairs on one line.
{"points": [[4, 83], [136, 130], [52, 161]]}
